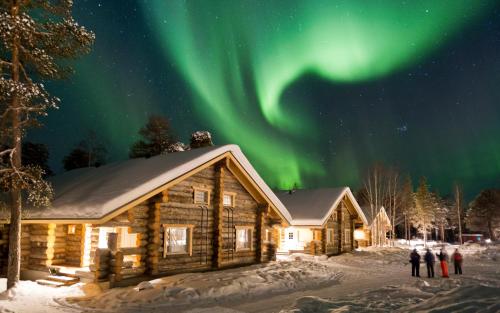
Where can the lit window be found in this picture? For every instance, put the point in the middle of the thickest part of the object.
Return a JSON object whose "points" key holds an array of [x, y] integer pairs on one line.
{"points": [[228, 200], [290, 235], [201, 196], [177, 240], [103, 236], [125, 239], [269, 235], [329, 235], [71, 229], [243, 238]]}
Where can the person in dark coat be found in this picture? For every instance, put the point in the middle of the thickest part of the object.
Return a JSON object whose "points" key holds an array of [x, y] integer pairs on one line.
{"points": [[443, 260], [457, 260], [415, 263], [429, 261]]}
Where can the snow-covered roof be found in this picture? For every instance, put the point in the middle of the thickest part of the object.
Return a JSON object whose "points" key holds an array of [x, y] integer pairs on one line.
{"points": [[370, 217], [312, 207], [93, 193]]}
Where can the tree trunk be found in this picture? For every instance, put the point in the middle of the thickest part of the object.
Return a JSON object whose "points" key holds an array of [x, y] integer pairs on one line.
{"points": [[14, 260], [457, 200], [491, 231]]}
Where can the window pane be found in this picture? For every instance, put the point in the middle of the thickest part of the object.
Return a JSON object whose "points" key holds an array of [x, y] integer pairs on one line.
{"points": [[228, 200], [103, 236], [201, 196], [176, 239], [127, 240], [290, 235], [243, 238]]}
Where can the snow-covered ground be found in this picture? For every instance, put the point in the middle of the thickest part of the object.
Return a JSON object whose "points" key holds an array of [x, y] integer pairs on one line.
{"points": [[372, 280]]}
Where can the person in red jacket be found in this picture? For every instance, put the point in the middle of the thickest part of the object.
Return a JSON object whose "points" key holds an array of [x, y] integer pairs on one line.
{"points": [[443, 260], [457, 260]]}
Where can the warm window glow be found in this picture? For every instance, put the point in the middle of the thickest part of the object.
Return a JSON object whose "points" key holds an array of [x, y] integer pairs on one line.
{"points": [[177, 240], [125, 240], [228, 200], [71, 229], [243, 238], [201, 196], [103, 236], [269, 235], [329, 235], [359, 235]]}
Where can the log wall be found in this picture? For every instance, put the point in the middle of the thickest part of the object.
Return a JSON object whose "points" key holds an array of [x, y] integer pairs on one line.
{"points": [[74, 246]]}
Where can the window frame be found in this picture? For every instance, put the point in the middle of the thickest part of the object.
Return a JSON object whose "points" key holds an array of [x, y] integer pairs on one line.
{"points": [[347, 235], [232, 195], [330, 234], [239, 228], [201, 189], [189, 239], [71, 229]]}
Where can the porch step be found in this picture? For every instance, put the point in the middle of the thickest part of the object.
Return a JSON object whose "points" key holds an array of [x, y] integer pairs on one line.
{"points": [[50, 283], [67, 280], [58, 280]]}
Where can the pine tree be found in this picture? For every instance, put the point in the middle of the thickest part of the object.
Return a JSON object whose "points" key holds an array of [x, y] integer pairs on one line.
{"points": [[36, 154], [156, 138], [422, 215], [35, 36], [484, 213], [90, 152]]}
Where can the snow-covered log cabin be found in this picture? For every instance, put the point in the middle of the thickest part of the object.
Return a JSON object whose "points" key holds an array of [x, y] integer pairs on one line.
{"points": [[374, 233], [323, 221], [196, 210]]}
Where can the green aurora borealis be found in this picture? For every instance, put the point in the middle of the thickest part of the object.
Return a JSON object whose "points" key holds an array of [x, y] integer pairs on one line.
{"points": [[282, 78]]}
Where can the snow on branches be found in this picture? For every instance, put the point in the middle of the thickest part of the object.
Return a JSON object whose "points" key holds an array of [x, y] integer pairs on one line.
{"points": [[36, 39]]}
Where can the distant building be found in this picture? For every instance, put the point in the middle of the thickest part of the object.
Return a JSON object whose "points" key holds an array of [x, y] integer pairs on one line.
{"points": [[323, 221], [374, 233], [472, 238]]}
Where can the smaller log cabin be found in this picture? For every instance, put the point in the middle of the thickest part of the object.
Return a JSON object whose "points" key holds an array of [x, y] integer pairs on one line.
{"points": [[323, 221], [375, 232], [197, 210]]}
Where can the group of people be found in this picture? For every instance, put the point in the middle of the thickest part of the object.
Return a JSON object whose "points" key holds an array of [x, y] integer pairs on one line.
{"points": [[429, 259]]}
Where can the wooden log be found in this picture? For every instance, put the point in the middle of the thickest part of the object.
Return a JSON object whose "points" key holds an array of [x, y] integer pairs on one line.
{"points": [[133, 251], [153, 232], [218, 213]]}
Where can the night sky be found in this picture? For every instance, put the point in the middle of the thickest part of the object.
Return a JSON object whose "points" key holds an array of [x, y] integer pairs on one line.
{"points": [[314, 92]]}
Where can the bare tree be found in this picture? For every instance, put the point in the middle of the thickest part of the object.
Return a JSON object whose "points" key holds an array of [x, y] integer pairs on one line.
{"points": [[458, 195], [374, 191], [392, 198], [407, 204]]}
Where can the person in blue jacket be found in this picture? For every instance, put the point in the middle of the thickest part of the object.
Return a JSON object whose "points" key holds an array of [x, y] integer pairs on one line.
{"points": [[429, 261]]}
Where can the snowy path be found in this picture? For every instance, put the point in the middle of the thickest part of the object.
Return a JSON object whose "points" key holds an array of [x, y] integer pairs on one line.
{"points": [[377, 280]]}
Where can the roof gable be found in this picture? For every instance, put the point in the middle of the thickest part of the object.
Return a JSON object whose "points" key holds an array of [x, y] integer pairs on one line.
{"points": [[313, 207], [98, 194]]}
